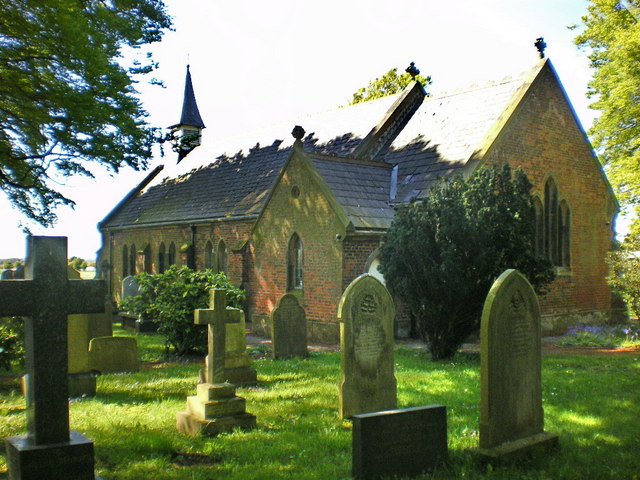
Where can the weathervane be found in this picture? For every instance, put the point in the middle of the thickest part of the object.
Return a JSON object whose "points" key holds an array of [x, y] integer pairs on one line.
{"points": [[540, 45], [412, 70]]}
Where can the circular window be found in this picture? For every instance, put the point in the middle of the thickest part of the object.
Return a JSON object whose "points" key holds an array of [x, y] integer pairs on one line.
{"points": [[295, 191]]}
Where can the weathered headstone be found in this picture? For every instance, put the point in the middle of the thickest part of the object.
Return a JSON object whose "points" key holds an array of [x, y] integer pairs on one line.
{"points": [[289, 328], [400, 443], [215, 408], [138, 324], [511, 414], [366, 315], [130, 287], [49, 450], [113, 354]]}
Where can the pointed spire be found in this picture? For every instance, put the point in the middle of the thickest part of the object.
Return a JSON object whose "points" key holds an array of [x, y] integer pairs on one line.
{"points": [[190, 114]]}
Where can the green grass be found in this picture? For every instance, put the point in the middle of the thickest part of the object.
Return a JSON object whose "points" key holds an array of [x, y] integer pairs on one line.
{"points": [[590, 402]]}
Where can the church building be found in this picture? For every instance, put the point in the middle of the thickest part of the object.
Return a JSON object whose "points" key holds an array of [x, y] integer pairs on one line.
{"points": [[302, 207]]}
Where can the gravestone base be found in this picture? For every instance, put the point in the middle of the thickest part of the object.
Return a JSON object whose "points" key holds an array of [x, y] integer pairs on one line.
{"points": [[518, 449], [143, 325], [213, 410], [242, 376], [82, 384], [72, 460]]}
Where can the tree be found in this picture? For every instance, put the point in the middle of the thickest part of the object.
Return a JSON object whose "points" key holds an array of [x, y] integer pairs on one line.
{"points": [[388, 84], [78, 263], [170, 298], [624, 272], [442, 254], [66, 98], [612, 35]]}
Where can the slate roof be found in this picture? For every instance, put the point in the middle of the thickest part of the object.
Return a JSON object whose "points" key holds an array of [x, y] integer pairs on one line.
{"points": [[233, 178]]}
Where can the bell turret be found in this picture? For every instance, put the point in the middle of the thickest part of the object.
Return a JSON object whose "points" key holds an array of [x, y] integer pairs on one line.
{"points": [[187, 134]]}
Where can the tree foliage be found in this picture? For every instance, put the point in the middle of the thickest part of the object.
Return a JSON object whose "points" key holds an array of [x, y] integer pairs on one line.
{"points": [[624, 272], [612, 35], [442, 254], [387, 84], [66, 97], [78, 263], [170, 298], [11, 342]]}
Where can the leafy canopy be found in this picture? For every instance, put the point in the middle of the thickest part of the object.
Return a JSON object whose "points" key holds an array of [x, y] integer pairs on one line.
{"points": [[66, 99], [612, 35], [442, 254], [170, 298], [388, 84]]}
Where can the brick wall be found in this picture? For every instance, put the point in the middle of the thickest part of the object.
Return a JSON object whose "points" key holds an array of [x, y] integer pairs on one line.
{"points": [[233, 232], [545, 140]]}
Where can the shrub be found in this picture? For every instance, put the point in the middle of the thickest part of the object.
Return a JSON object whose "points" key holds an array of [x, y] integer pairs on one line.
{"points": [[442, 254], [170, 298], [11, 342]]}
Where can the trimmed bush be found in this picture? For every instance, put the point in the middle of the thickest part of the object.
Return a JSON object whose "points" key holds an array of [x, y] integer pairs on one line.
{"points": [[170, 298]]}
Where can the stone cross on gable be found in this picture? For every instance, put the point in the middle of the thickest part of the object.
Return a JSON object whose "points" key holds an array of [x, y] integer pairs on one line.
{"points": [[46, 297], [217, 317]]}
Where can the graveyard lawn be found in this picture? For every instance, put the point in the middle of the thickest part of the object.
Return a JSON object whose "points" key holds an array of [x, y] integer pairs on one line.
{"points": [[590, 402]]}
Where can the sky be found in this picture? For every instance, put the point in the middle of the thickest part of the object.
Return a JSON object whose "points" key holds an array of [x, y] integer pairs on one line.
{"points": [[255, 63]]}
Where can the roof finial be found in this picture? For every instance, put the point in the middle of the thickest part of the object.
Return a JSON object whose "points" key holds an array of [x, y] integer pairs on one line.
{"points": [[412, 70], [298, 132], [540, 45]]}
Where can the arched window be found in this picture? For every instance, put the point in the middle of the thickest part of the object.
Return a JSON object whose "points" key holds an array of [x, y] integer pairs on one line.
{"points": [[555, 225], [132, 260], [294, 263], [221, 257], [564, 244], [148, 260], [125, 261], [162, 258], [208, 255], [171, 257], [539, 232], [551, 221]]}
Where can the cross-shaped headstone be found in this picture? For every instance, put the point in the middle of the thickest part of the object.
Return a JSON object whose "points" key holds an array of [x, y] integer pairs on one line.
{"points": [[217, 317], [45, 297]]}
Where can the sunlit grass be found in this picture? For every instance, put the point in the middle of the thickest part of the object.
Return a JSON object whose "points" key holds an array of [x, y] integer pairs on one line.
{"points": [[590, 402]]}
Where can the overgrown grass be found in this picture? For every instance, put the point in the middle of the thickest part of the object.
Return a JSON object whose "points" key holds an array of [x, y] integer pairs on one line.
{"points": [[602, 336], [590, 402]]}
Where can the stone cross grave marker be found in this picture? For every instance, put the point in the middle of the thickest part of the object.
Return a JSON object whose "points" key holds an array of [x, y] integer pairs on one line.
{"points": [[511, 414], [215, 408], [45, 297], [366, 314], [289, 328]]}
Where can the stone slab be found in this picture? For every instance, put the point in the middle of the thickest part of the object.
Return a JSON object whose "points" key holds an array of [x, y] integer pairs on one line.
{"points": [[189, 424], [224, 407], [207, 391], [113, 354], [519, 449], [82, 384], [403, 442], [72, 460]]}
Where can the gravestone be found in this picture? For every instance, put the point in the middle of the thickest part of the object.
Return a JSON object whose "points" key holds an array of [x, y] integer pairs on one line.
{"points": [[366, 315], [49, 449], [288, 328], [215, 408], [113, 354], [400, 443], [138, 324], [511, 414], [130, 287]]}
